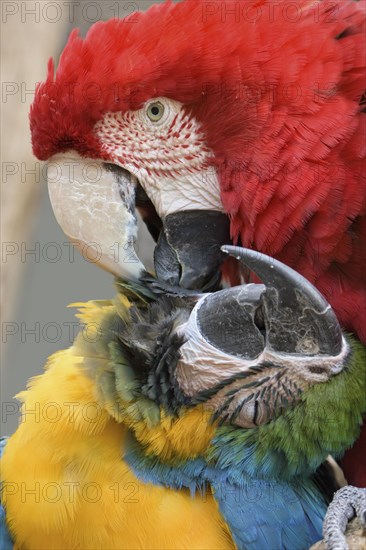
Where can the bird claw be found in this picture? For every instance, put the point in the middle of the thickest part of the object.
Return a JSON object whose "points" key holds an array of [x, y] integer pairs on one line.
{"points": [[348, 502]]}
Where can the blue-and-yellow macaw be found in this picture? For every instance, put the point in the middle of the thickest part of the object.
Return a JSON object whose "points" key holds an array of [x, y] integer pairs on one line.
{"points": [[196, 422]]}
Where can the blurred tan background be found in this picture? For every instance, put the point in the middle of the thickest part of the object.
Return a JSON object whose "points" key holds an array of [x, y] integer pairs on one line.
{"points": [[40, 273]]}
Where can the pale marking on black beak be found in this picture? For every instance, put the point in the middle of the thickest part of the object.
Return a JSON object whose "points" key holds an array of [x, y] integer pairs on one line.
{"points": [[127, 194]]}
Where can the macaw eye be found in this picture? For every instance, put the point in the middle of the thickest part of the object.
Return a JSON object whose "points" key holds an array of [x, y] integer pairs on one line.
{"points": [[155, 111]]}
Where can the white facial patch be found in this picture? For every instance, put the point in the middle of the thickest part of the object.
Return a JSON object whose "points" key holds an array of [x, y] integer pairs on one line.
{"points": [[92, 208], [169, 156], [203, 367]]}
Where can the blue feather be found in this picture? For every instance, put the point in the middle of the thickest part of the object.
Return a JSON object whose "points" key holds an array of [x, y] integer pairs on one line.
{"points": [[272, 515], [5, 540], [263, 514]]}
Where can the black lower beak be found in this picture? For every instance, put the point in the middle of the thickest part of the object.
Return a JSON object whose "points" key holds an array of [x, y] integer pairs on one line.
{"points": [[188, 250]]}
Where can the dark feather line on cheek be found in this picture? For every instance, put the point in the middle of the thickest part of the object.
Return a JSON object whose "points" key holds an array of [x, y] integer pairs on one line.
{"points": [[252, 371], [255, 416]]}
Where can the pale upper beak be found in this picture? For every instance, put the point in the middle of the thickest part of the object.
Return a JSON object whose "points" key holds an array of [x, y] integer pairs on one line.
{"points": [[94, 203]]}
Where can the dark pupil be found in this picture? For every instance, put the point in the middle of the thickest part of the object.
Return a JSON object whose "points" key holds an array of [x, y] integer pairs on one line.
{"points": [[155, 111]]}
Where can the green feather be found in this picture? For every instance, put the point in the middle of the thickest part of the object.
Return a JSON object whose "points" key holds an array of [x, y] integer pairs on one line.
{"points": [[327, 420], [136, 292]]}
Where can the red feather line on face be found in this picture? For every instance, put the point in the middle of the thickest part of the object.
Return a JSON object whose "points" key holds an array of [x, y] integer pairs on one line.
{"points": [[276, 89]]}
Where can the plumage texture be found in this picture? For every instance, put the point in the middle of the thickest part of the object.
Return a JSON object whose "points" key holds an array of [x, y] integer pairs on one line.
{"points": [[88, 496], [261, 513], [109, 468], [289, 516]]}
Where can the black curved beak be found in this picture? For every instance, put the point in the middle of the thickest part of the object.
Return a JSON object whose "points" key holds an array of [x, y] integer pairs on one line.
{"points": [[266, 343], [285, 315], [188, 252], [296, 317]]}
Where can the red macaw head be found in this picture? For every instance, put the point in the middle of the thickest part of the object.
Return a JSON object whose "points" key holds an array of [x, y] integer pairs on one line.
{"points": [[199, 114]]}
